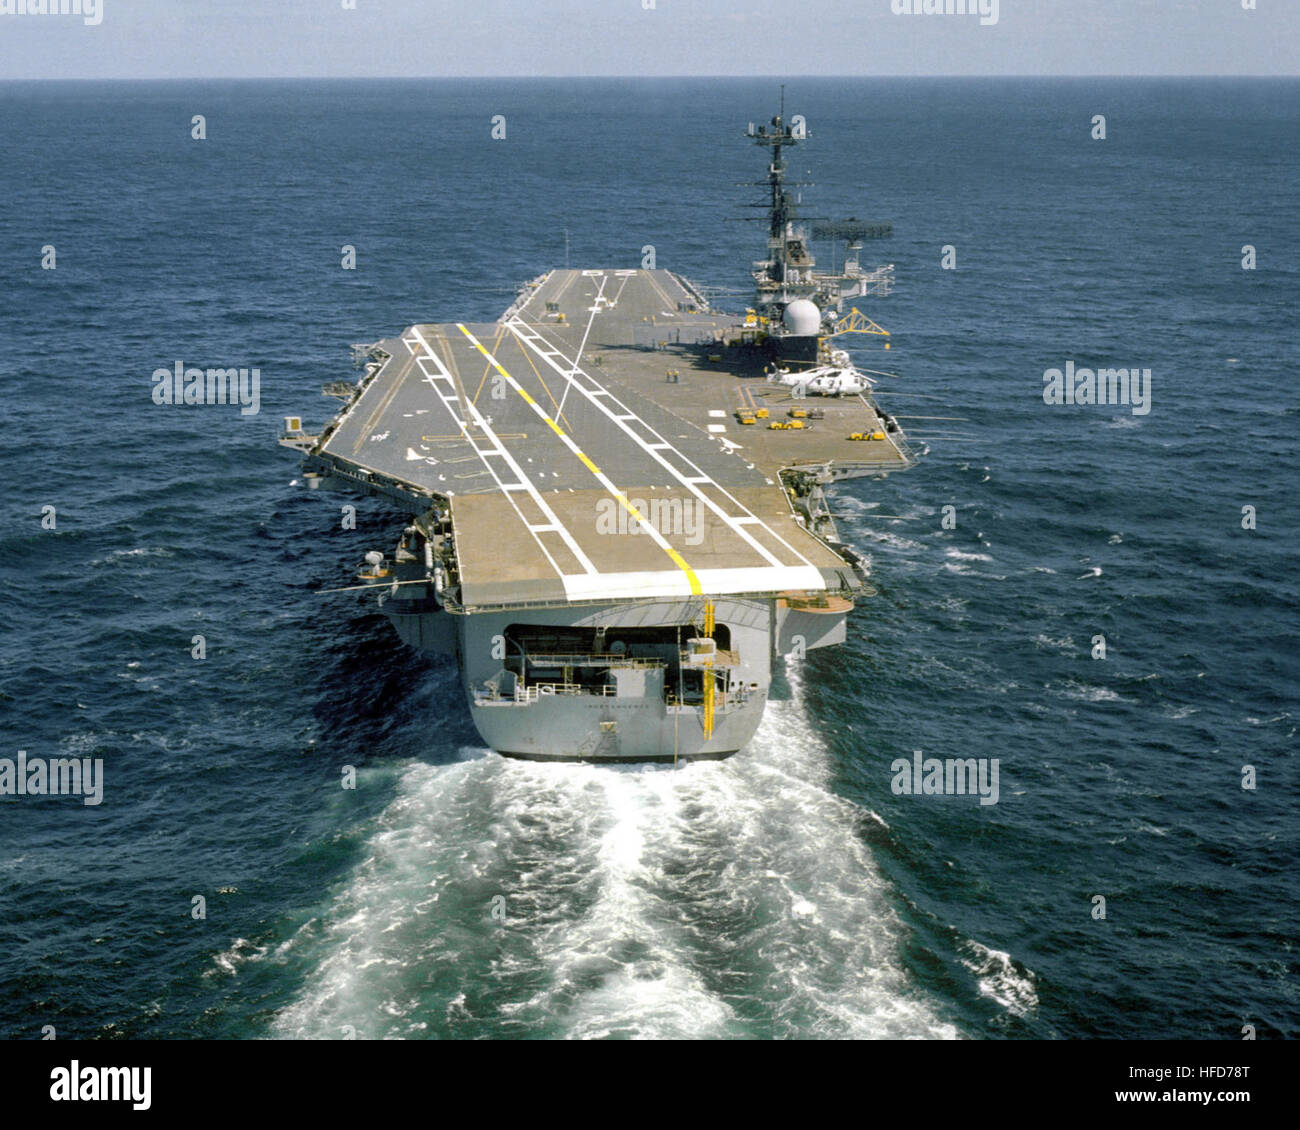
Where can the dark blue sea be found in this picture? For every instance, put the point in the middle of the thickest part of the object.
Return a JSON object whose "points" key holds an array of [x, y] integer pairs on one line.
{"points": [[787, 892]]}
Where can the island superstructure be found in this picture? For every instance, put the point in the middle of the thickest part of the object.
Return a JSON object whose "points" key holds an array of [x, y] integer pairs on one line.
{"points": [[616, 493]]}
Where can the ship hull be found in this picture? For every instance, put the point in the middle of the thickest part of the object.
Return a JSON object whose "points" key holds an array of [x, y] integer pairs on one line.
{"points": [[587, 728], [630, 703], [628, 699]]}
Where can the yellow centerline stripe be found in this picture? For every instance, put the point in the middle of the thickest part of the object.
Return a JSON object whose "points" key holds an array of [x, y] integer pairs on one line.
{"points": [[483, 381], [677, 559], [541, 381]]}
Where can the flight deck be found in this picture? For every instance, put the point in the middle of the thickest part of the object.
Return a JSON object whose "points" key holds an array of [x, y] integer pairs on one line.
{"points": [[606, 402]]}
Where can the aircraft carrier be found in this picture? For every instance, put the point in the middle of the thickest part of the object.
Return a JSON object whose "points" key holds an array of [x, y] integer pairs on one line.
{"points": [[618, 521]]}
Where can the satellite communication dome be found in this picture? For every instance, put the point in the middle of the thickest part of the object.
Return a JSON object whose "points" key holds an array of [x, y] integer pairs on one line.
{"points": [[802, 318]]}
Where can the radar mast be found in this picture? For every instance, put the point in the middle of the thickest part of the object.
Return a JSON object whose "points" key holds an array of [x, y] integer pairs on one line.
{"points": [[795, 300]]}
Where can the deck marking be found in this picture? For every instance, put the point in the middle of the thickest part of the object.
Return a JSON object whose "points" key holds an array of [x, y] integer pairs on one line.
{"points": [[537, 372], [624, 275], [486, 368], [654, 282], [497, 449], [384, 402], [644, 525], [583, 344], [527, 334]]}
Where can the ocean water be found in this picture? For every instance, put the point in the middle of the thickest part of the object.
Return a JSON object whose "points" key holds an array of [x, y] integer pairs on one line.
{"points": [[787, 892]]}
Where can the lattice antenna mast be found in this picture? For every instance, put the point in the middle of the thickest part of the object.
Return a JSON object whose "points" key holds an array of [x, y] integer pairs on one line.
{"points": [[788, 273], [787, 249]]}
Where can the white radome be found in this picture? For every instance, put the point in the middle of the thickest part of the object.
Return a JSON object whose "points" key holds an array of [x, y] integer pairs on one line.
{"points": [[802, 318]]}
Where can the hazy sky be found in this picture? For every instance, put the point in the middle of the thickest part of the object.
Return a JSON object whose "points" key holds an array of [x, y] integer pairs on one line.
{"points": [[411, 38]]}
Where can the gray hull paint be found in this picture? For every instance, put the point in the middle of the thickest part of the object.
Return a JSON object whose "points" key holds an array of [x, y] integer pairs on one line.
{"points": [[636, 724], [556, 728]]}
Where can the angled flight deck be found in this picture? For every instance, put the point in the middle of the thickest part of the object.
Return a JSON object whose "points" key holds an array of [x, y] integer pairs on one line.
{"points": [[599, 402]]}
